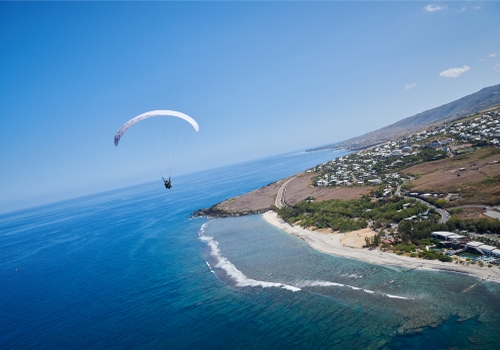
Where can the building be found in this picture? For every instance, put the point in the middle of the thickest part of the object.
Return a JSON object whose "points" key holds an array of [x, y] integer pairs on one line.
{"points": [[455, 237], [474, 247], [446, 236], [487, 249]]}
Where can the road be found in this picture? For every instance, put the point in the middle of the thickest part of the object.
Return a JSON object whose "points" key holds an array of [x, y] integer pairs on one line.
{"points": [[444, 214], [280, 201], [280, 197]]}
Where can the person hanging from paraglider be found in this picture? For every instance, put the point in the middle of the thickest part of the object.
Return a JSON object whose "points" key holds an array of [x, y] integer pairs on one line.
{"points": [[156, 113], [168, 183]]}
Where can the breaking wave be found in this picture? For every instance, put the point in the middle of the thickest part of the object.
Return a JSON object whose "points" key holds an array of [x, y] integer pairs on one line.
{"points": [[239, 277], [241, 280], [306, 283]]}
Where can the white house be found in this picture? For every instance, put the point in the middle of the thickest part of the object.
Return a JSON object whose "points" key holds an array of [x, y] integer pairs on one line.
{"points": [[487, 249], [443, 235]]}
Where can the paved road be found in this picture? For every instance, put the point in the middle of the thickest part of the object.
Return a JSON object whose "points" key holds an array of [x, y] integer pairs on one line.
{"points": [[280, 201], [492, 214], [444, 214], [280, 197]]}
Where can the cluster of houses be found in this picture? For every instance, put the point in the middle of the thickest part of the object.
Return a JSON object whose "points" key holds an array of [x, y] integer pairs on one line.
{"points": [[355, 169], [485, 128], [376, 165], [458, 243], [348, 170]]}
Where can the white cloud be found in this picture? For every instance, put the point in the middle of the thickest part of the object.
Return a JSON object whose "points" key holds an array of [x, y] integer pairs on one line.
{"points": [[409, 86], [465, 8], [454, 72], [492, 55], [434, 8]]}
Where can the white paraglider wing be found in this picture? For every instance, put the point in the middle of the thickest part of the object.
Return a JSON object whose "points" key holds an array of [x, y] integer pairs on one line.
{"points": [[156, 113]]}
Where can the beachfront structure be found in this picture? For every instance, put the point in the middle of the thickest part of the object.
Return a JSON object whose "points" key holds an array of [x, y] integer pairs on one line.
{"points": [[443, 235], [496, 253], [474, 244], [446, 236], [475, 247], [487, 249]]}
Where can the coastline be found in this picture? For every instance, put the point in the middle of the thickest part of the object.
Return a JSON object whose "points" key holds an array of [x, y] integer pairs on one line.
{"points": [[330, 243]]}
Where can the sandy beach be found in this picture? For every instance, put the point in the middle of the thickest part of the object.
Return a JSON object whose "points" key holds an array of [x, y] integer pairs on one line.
{"points": [[348, 245]]}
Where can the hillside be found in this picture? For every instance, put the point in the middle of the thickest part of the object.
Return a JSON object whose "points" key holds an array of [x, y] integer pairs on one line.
{"points": [[481, 100], [474, 176]]}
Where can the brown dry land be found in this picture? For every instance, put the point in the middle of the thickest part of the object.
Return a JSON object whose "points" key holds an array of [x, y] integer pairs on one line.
{"points": [[298, 189], [472, 175], [356, 239], [470, 213]]}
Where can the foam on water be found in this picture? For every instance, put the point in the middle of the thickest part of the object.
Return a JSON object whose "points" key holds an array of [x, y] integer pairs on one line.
{"points": [[239, 277], [242, 280], [210, 267], [304, 284]]}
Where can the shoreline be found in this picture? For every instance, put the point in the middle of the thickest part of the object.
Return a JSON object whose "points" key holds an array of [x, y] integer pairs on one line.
{"points": [[329, 243]]}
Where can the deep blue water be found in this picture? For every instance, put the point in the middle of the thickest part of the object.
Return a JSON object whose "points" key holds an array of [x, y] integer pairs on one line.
{"points": [[130, 269]]}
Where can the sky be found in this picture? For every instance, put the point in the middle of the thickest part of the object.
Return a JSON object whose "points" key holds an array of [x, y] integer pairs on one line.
{"points": [[260, 78]]}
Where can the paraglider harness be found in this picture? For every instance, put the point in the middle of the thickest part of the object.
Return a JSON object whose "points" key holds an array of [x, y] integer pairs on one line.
{"points": [[168, 183]]}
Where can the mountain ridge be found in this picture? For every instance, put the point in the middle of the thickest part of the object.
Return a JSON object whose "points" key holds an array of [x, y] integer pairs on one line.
{"points": [[483, 99]]}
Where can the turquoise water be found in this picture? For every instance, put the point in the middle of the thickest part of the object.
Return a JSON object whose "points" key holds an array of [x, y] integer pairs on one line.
{"points": [[348, 302], [468, 255], [131, 269]]}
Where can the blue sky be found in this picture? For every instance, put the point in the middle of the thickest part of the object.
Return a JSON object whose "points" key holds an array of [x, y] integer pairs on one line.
{"points": [[261, 78]]}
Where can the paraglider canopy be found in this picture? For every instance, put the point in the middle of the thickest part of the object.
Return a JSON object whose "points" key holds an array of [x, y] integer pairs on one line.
{"points": [[156, 113], [159, 141]]}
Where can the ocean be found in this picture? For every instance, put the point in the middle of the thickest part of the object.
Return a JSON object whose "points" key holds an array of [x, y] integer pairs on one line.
{"points": [[130, 269]]}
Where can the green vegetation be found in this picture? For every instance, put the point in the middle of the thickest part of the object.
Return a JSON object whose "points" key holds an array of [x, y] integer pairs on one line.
{"points": [[406, 186], [492, 152], [481, 225], [489, 181], [432, 255], [416, 231], [338, 215], [455, 211], [409, 223], [464, 152], [438, 202], [345, 216], [373, 241], [411, 236], [405, 248], [425, 155]]}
